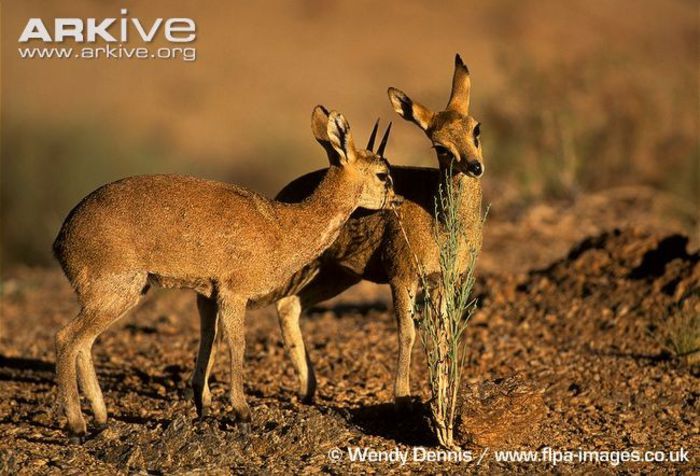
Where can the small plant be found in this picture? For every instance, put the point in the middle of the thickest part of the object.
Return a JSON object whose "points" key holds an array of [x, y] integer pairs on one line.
{"points": [[683, 336], [443, 309]]}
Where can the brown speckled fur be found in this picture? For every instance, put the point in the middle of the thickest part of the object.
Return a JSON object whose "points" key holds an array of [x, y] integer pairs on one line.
{"points": [[371, 246], [229, 244]]}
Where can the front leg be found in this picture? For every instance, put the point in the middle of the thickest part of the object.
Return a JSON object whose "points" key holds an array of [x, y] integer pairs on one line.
{"points": [[403, 295], [289, 311], [329, 282], [231, 318]]}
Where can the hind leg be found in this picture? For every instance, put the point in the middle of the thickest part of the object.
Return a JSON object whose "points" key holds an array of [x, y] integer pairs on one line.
{"points": [[103, 302], [205, 358], [91, 388]]}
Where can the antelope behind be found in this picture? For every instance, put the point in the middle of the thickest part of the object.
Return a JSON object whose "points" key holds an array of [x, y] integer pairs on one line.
{"points": [[227, 243], [372, 246]]}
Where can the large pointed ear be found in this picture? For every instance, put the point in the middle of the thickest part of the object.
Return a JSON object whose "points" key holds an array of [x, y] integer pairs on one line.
{"points": [[319, 128], [409, 109], [338, 131], [461, 87], [319, 123]]}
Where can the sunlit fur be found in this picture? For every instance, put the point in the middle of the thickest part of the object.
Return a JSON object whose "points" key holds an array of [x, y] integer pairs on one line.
{"points": [[229, 244], [371, 246]]}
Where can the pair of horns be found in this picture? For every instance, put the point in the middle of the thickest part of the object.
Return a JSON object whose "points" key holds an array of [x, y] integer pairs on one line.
{"points": [[382, 144]]}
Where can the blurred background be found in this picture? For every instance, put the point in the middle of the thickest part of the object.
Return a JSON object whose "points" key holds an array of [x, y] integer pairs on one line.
{"points": [[575, 98]]}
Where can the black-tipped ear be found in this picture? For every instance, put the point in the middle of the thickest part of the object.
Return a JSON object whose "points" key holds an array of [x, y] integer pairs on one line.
{"points": [[459, 62], [409, 109], [461, 88], [319, 123], [319, 128], [340, 137]]}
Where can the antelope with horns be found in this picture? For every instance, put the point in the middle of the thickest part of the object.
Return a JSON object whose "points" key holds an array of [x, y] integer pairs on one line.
{"points": [[372, 246], [227, 243]]}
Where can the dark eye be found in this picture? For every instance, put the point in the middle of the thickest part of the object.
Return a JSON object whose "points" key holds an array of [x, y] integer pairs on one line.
{"points": [[383, 176], [477, 131], [442, 150]]}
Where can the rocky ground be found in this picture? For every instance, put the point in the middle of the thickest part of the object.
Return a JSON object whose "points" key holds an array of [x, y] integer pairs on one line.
{"points": [[571, 348]]}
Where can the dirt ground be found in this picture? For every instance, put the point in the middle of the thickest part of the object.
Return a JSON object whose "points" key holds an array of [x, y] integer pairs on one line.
{"points": [[568, 350]]}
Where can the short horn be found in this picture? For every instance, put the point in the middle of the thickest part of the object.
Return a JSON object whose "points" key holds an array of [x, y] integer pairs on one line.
{"points": [[372, 136], [382, 144]]}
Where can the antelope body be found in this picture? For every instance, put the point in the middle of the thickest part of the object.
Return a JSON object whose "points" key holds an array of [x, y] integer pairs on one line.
{"points": [[230, 245], [372, 246]]}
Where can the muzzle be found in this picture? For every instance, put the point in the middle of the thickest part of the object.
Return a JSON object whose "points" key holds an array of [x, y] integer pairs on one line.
{"points": [[474, 168]]}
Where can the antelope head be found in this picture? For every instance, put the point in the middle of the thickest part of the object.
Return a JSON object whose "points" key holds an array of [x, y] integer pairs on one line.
{"points": [[453, 132], [369, 170]]}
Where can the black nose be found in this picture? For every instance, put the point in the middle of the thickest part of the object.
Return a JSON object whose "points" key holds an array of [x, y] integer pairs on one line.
{"points": [[475, 168]]}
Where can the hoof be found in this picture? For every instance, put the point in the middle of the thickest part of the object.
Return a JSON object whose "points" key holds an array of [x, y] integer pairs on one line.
{"points": [[76, 439], [100, 427], [202, 409], [244, 427], [203, 412], [306, 399]]}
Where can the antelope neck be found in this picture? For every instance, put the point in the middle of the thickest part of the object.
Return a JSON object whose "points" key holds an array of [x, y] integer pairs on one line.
{"points": [[318, 219]]}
